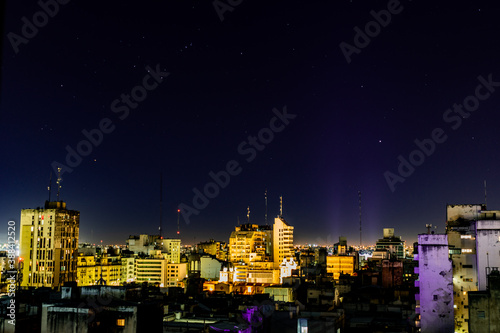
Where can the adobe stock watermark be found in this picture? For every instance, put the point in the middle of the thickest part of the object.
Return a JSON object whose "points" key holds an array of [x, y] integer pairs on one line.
{"points": [[452, 116], [29, 28], [372, 29], [247, 149], [222, 6], [120, 106]]}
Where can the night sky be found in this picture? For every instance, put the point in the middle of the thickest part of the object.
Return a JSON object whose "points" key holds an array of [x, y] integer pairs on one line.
{"points": [[213, 87]]}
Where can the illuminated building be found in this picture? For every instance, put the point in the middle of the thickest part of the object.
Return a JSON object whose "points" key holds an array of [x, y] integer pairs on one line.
{"points": [[217, 249], [282, 241], [337, 264], [473, 238], [392, 243], [175, 274], [49, 245], [171, 250], [151, 270], [250, 243], [128, 271], [103, 271], [160, 271]]}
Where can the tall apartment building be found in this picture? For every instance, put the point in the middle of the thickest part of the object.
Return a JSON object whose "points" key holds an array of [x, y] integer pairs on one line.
{"points": [[435, 297], [171, 250], [250, 243], [473, 238], [282, 241], [49, 245]]}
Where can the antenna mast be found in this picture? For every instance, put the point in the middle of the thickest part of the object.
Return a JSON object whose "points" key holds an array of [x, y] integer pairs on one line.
{"points": [[178, 217], [360, 230], [265, 196], [281, 205], [58, 182], [485, 198], [248, 214], [161, 201], [50, 184]]}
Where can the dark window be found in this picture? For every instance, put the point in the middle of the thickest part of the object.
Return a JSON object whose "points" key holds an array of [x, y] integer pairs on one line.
{"points": [[435, 297]]}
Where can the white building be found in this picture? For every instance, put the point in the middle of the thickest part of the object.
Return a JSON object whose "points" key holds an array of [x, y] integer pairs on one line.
{"points": [[487, 249], [282, 241], [210, 268]]}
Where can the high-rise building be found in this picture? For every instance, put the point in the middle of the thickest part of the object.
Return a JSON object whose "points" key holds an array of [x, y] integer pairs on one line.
{"points": [[171, 250], [282, 241], [435, 297], [49, 245], [473, 238], [250, 243]]}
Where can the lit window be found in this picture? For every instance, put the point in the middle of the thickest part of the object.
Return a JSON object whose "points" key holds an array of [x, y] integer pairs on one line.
{"points": [[120, 322]]}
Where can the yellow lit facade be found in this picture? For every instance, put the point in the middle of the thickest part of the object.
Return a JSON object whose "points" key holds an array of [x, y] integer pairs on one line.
{"points": [[282, 241], [337, 264], [250, 243], [90, 271], [49, 245]]}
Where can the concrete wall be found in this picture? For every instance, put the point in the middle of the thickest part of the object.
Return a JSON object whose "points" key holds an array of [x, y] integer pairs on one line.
{"points": [[484, 308], [466, 212], [436, 284], [487, 248], [210, 268]]}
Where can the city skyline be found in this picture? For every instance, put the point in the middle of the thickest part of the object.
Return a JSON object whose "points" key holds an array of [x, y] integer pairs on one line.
{"points": [[280, 98]]}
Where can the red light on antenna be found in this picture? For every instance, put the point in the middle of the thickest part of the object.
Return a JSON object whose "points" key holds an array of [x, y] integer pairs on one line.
{"points": [[178, 232], [178, 210]]}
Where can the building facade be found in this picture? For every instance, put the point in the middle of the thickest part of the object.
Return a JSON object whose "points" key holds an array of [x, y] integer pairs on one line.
{"points": [[435, 297], [49, 245]]}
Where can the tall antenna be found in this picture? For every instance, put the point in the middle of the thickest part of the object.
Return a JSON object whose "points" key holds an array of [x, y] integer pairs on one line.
{"points": [[281, 205], [360, 230], [238, 221], [58, 182], [161, 201], [50, 184], [178, 217], [248, 214], [265, 196], [485, 198]]}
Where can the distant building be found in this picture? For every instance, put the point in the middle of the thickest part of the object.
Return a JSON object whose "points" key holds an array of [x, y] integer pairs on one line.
{"points": [[128, 270], [171, 250], [106, 270], [341, 264], [282, 241], [49, 245], [215, 248], [250, 243], [392, 243], [392, 273], [210, 268]]}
